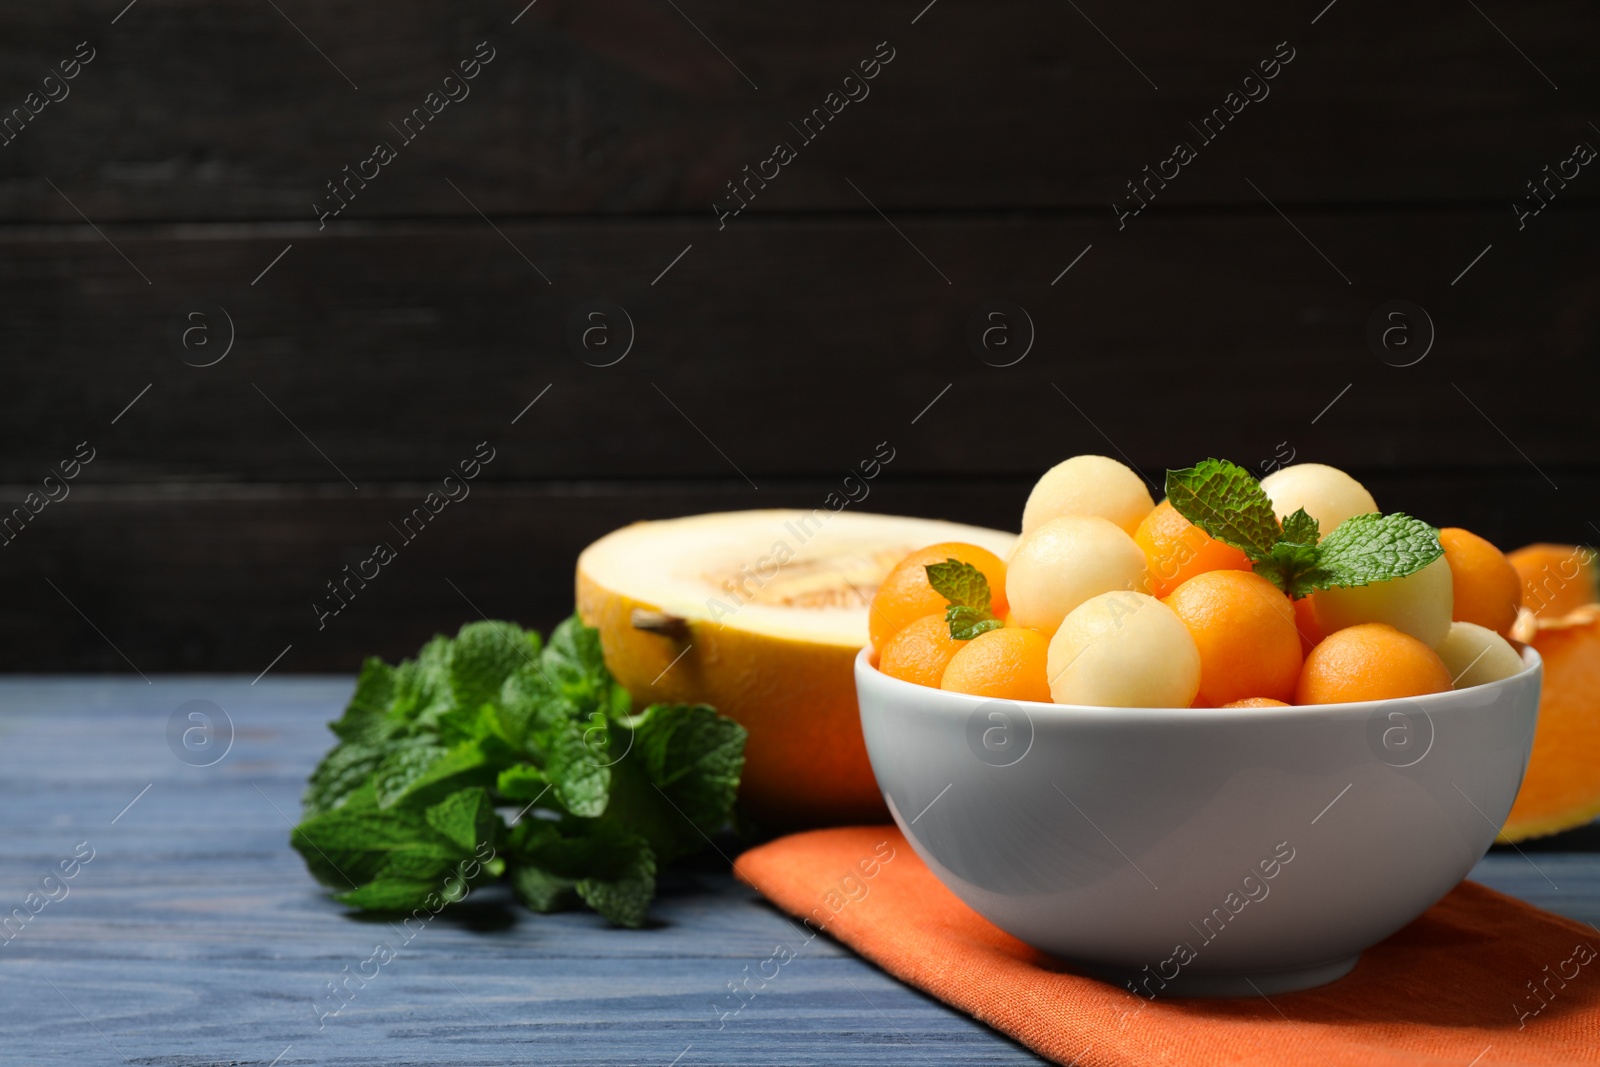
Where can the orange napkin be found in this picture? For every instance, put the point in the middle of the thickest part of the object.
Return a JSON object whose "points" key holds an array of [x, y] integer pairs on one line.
{"points": [[1455, 988]]}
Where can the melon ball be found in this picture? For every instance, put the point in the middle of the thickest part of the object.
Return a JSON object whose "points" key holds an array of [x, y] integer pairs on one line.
{"points": [[1123, 650], [1066, 561], [1088, 485], [1476, 655], [1328, 494], [1419, 604]]}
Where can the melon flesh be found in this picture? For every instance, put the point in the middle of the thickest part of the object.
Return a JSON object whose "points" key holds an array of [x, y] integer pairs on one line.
{"points": [[760, 614], [1562, 787]]}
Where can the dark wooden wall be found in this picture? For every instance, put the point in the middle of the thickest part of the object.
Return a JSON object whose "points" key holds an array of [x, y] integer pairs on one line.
{"points": [[378, 351]]}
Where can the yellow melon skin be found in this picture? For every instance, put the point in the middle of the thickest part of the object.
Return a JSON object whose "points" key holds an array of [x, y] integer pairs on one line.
{"points": [[805, 760], [1562, 787]]}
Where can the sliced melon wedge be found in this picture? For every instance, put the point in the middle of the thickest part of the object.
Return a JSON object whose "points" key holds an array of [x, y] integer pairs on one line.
{"points": [[760, 613], [1562, 787]]}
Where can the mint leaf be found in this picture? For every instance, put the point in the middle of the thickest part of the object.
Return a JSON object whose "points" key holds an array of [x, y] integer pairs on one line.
{"points": [[695, 757], [366, 718], [390, 894], [1301, 528], [522, 782], [967, 623], [1227, 502], [575, 667], [342, 771], [530, 704], [541, 891], [622, 889], [397, 857], [422, 686], [610, 869], [1375, 548], [483, 655], [405, 763], [466, 725], [467, 818], [1293, 564], [581, 776], [960, 583], [968, 592], [1292, 567], [359, 842], [465, 766], [677, 783]]}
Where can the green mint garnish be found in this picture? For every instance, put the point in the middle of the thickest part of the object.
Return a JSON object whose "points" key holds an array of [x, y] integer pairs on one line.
{"points": [[967, 623], [1293, 568], [960, 583], [405, 810], [1301, 529], [1375, 548], [968, 592], [1226, 501]]}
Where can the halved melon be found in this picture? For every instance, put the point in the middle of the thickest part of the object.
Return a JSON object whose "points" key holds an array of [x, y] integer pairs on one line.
{"points": [[761, 614], [1556, 579], [1562, 787]]}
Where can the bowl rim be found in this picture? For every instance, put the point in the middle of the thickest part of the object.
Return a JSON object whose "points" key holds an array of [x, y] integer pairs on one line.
{"points": [[1443, 701]]}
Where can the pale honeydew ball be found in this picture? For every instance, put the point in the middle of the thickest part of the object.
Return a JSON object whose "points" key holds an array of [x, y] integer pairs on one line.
{"points": [[1328, 494], [1088, 485], [1123, 650], [1065, 562], [1419, 604], [1476, 655]]}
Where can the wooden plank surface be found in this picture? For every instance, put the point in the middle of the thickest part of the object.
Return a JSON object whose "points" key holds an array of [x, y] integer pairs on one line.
{"points": [[204, 110], [194, 935], [1230, 317], [388, 353]]}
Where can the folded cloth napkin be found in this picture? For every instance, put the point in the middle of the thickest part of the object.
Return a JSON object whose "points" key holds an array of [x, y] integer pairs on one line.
{"points": [[1479, 980]]}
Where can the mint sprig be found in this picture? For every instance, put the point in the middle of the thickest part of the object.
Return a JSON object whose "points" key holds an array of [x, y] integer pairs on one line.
{"points": [[402, 812], [1227, 502], [1293, 568], [968, 592]]}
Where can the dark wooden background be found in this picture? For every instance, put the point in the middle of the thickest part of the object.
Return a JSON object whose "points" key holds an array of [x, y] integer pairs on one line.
{"points": [[797, 338]]}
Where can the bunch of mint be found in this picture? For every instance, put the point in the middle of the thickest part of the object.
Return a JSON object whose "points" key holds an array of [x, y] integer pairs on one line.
{"points": [[1227, 502], [412, 805]]}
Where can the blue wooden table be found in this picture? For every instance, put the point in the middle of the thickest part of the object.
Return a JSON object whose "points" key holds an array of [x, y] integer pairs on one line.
{"points": [[191, 934]]}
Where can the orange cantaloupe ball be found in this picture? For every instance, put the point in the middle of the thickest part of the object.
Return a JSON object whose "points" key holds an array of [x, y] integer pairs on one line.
{"points": [[905, 594], [1244, 627], [1176, 550], [1487, 588], [1305, 621], [920, 652], [1370, 661], [1007, 664]]}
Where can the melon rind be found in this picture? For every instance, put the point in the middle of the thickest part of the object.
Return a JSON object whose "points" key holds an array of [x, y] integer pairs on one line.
{"points": [[1561, 790], [775, 651]]}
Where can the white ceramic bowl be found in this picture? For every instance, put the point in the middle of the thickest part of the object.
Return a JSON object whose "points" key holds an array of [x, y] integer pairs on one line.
{"points": [[1200, 852]]}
